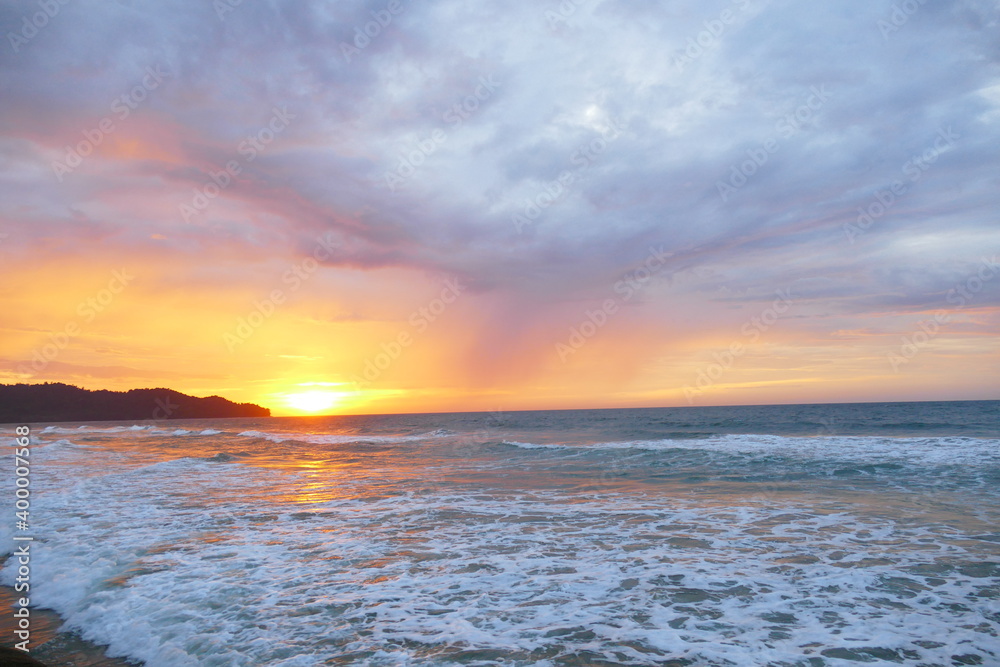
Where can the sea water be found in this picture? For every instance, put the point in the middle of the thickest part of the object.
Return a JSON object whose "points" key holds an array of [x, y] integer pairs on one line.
{"points": [[783, 535]]}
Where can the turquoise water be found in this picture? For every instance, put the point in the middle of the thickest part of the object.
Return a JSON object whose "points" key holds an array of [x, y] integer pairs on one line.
{"points": [[785, 535]]}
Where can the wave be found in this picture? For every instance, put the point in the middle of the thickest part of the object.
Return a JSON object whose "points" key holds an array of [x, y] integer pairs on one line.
{"points": [[502, 572], [222, 457], [59, 445], [128, 430], [955, 450], [439, 433], [91, 429], [341, 439], [532, 445]]}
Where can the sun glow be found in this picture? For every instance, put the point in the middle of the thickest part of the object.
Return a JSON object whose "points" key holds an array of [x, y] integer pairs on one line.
{"points": [[314, 401]]}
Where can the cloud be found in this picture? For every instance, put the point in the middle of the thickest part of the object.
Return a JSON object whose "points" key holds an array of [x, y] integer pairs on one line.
{"points": [[57, 371]]}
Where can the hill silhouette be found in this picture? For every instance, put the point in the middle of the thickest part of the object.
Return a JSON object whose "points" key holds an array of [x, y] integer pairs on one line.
{"points": [[57, 402]]}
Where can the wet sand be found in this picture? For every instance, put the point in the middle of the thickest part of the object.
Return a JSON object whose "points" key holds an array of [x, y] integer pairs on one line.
{"points": [[48, 644]]}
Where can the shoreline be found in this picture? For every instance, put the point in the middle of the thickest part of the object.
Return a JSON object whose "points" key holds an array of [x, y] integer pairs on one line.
{"points": [[51, 644]]}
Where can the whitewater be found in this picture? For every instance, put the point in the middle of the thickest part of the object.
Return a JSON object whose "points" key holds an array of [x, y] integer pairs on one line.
{"points": [[785, 535]]}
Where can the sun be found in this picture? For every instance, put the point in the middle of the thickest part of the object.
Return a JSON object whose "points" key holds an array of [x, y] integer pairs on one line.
{"points": [[313, 401]]}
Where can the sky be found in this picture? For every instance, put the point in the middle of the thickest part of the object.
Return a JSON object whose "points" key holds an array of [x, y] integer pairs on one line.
{"points": [[391, 206]]}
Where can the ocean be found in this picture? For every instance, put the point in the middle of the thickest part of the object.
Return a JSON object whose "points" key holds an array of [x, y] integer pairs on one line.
{"points": [[802, 535]]}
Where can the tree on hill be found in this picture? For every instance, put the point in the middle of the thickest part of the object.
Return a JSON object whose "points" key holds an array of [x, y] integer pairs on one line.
{"points": [[58, 402]]}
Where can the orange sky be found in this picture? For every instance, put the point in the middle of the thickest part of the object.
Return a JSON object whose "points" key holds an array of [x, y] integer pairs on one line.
{"points": [[165, 327]]}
